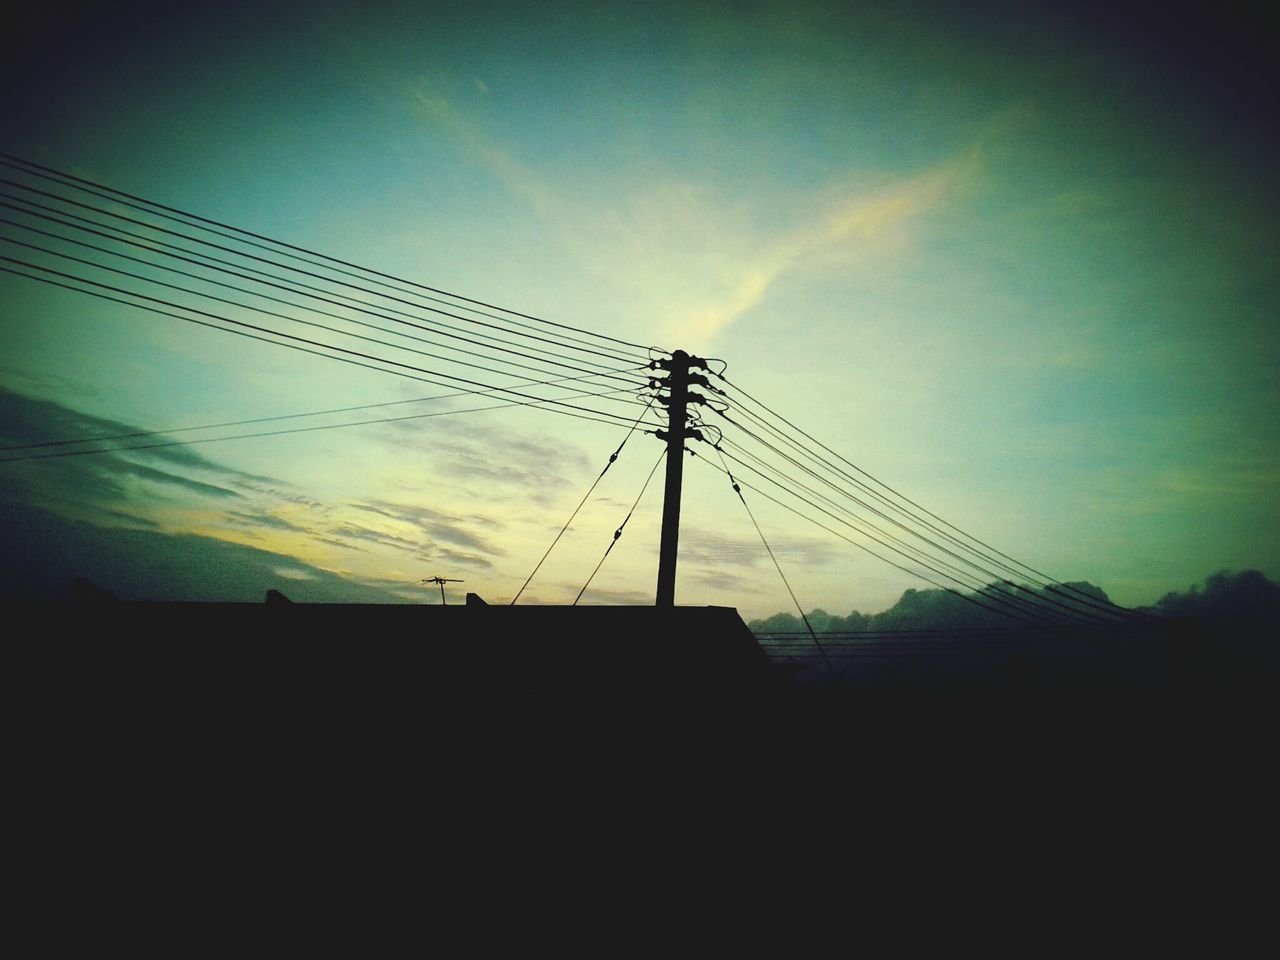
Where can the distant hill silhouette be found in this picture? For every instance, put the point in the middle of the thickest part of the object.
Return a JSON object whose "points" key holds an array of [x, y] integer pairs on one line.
{"points": [[915, 610], [1228, 599]]}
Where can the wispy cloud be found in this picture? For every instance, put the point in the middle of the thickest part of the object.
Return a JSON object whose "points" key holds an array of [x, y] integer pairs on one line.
{"points": [[467, 455], [713, 552], [707, 255], [447, 556], [854, 224], [101, 482], [434, 524], [264, 520], [351, 531], [517, 178], [163, 478]]}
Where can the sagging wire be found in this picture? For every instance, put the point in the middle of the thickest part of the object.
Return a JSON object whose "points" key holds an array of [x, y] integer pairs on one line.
{"points": [[835, 677], [618, 533], [612, 458]]}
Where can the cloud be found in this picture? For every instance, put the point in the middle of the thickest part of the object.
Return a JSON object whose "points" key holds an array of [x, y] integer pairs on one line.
{"points": [[101, 488], [708, 261], [603, 595], [436, 525], [57, 472], [43, 552], [264, 520], [713, 551], [122, 467], [273, 488], [517, 178], [178, 489], [717, 580], [294, 573], [173, 490], [854, 223], [333, 542], [132, 519], [351, 531], [102, 485], [448, 556], [492, 455]]}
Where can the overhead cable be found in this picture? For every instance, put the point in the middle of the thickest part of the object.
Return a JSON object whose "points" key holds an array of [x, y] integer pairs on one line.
{"points": [[612, 353], [863, 547], [612, 459], [835, 677], [319, 312], [999, 586], [348, 358], [138, 434], [1055, 586], [159, 209], [617, 534]]}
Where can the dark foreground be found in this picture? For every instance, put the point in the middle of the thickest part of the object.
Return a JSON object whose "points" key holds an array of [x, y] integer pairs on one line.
{"points": [[400, 677], [211, 759]]}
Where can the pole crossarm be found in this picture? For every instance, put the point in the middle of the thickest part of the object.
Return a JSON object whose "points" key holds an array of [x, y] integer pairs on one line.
{"points": [[677, 401]]}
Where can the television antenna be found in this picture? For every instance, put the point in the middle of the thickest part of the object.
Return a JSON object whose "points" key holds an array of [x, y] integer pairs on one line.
{"points": [[442, 581]]}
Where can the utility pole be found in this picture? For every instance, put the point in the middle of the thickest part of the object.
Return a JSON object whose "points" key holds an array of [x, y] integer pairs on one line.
{"points": [[677, 402]]}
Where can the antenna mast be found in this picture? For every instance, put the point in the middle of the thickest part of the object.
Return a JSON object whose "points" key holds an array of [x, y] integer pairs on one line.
{"points": [[442, 581]]}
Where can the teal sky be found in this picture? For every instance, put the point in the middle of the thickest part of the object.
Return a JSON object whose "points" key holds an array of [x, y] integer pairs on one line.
{"points": [[1021, 264]]}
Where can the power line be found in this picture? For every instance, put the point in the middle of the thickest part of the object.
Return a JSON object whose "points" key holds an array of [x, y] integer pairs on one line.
{"points": [[885, 486], [36, 169], [137, 434], [278, 333], [614, 355], [612, 458], [618, 533], [929, 563], [272, 313], [277, 433], [889, 504], [1067, 592], [615, 418], [993, 590], [863, 547], [295, 286], [310, 309], [738, 490]]}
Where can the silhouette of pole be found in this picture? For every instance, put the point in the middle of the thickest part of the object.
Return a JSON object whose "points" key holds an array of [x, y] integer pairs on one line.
{"points": [[677, 413]]}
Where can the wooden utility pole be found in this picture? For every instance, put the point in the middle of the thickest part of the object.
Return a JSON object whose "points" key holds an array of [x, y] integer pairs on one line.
{"points": [[677, 401]]}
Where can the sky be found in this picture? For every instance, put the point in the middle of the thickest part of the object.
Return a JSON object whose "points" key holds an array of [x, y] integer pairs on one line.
{"points": [[1018, 261]]}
